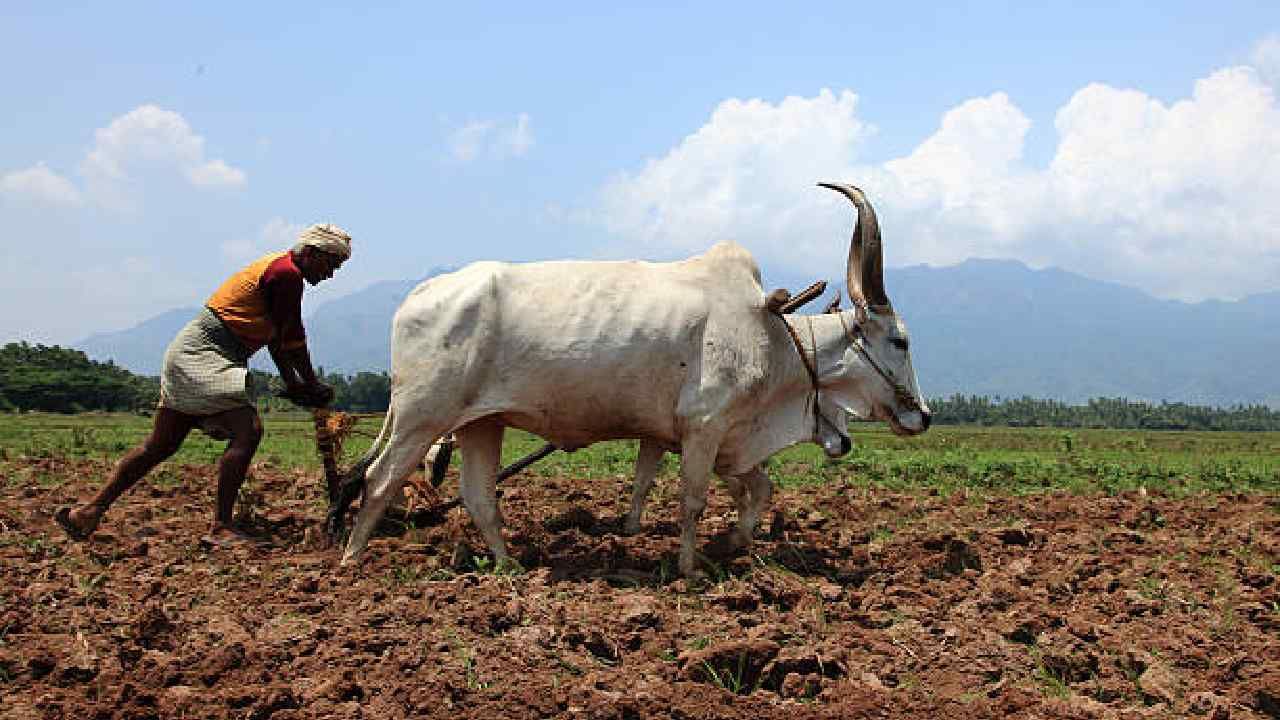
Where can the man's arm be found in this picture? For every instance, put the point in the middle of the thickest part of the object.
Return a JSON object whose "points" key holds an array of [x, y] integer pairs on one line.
{"points": [[301, 384], [289, 346], [285, 367], [294, 364]]}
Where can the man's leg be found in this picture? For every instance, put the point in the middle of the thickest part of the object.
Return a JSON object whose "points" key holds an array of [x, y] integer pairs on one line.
{"points": [[169, 429], [245, 428]]}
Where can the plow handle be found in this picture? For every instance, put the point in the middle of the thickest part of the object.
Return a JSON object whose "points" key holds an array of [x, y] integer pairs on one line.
{"points": [[328, 451]]}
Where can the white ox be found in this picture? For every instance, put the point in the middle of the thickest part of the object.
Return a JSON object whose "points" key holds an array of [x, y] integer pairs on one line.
{"points": [[684, 356]]}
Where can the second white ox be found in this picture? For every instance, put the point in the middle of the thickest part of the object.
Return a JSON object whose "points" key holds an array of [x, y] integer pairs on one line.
{"points": [[684, 355]]}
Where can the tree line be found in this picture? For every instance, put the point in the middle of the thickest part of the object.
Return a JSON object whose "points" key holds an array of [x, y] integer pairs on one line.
{"points": [[361, 392], [48, 378], [55, 379], [1116, 413]]}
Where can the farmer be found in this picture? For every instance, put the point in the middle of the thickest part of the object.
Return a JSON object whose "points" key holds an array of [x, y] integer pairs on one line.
{"points": [[203, 383]]}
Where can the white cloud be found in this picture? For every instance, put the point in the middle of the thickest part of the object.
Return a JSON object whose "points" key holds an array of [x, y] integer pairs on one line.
{"points": [[145, 144], [145, 141], [517, 139], [747, 174], [1266, 58], [40, 184], [215, 173], [967, 179], [1177, 199], [468, 140], [276, 235], [492, 139]]}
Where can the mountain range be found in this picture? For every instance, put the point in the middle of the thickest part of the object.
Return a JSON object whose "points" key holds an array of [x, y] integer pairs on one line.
{"points": [[982, 327]]}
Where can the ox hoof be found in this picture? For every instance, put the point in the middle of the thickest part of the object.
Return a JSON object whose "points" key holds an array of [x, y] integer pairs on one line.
{"points": [[740, 540], [693, 575], [333, 528], [695, 579]]}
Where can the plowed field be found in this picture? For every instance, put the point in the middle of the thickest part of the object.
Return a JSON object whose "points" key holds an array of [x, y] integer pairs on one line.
{"points": [[854, 602]]}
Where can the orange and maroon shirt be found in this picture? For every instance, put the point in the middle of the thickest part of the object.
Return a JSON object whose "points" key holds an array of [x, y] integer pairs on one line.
{"points": [[262, 303]]}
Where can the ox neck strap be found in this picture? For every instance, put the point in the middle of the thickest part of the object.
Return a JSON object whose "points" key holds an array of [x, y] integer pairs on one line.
{"points": [[809, 363]]}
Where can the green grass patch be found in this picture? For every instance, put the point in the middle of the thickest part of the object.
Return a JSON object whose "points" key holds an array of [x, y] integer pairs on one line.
{"points": [[946, 459]]}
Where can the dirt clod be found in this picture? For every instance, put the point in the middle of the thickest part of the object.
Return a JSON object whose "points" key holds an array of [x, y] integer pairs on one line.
{"points": [[1160, 684], [735, 665], [220, 662], [1265, 694], [152, 629]]}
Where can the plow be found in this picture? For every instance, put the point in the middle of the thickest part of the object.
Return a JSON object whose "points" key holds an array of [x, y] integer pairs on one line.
{"points": [[334, 427]]}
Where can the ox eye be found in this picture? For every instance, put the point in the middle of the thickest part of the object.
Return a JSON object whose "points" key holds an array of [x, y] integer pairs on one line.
{"points": [[899, 343]]}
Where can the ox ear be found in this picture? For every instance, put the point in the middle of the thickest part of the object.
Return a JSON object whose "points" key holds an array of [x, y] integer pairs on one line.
{"points": [[833, 307], [864, 273]]}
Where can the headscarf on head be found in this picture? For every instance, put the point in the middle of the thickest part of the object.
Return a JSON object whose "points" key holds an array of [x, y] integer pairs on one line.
{"points": [[326, 237]]}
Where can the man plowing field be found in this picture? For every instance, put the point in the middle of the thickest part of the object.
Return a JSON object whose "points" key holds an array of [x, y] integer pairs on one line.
{"points": [[203, 382]]}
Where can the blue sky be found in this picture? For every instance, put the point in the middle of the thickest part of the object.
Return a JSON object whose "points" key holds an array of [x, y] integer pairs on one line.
{"points": [[150, 150]]}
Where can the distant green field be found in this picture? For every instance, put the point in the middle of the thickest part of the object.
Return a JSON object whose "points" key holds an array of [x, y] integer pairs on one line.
{"points": [[984, 459]]}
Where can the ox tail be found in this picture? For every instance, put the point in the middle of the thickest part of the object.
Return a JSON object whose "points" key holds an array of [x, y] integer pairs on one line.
{"points": [[352, 483]]}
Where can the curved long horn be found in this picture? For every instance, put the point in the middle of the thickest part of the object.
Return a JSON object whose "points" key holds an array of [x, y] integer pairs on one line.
{"points": [[864, 274]]}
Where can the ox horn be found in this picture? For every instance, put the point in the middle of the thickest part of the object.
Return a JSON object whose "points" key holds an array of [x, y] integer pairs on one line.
{"points": [[865, 272]]}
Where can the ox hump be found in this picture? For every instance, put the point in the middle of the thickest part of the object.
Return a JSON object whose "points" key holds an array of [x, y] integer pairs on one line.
{"points": [[730, 258]]}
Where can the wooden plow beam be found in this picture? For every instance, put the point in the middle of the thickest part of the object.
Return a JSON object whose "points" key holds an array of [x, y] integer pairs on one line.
{"points": [[332, 427]]}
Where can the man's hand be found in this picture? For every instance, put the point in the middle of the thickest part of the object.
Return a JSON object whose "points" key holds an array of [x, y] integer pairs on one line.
{"points": [[323, 392], [313, 395]]}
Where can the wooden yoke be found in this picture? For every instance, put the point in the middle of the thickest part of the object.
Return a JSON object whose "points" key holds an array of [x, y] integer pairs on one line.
{"points": [[776, 300], [780, 302]]}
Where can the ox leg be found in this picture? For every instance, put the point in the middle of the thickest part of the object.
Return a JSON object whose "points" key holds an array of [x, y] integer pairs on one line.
{"points": [[740, 491], [753, 500], [481, 443], [696, 459], [647, 462], [398, 501], [386, 477]]}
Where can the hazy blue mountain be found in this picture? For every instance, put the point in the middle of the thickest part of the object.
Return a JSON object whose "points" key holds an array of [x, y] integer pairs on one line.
{"points": [[999, 328], [141, 347], [353, 333], [985, 327]]}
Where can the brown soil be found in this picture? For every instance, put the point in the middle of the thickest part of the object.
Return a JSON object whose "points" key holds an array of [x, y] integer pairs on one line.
{"points": [[854, 603]]}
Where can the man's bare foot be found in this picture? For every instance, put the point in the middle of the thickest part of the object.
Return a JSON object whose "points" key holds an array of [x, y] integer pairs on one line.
{"points": [[78, 522]]}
